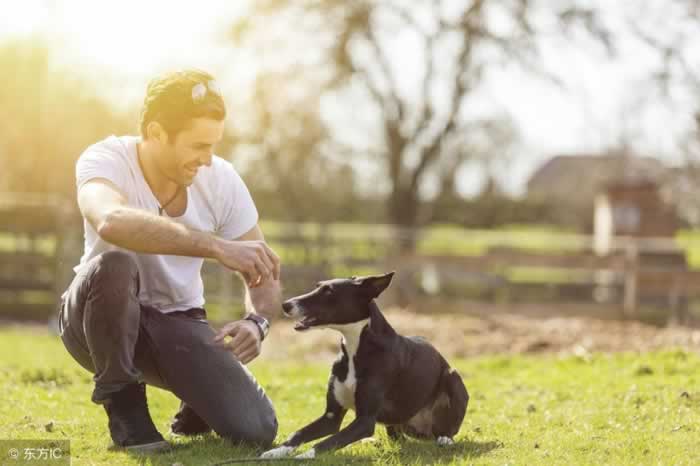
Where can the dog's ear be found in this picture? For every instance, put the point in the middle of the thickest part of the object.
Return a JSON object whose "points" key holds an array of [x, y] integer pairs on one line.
{"points": [[375, 284]]}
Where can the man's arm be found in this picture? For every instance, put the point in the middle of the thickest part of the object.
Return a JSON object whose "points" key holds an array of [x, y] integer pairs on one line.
{"points": [[265, 299], [105, 208]]}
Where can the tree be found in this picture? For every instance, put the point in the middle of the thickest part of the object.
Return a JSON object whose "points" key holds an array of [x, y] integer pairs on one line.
{"points": [[48, 117], [420, 117], [281, 152], [673, 36]]}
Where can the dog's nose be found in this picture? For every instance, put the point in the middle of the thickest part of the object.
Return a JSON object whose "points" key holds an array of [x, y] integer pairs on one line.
{"points": [[287, 307]]}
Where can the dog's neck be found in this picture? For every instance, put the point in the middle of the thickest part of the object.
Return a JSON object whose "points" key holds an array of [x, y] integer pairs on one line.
{"points": [[351, 333], [375, 321]]}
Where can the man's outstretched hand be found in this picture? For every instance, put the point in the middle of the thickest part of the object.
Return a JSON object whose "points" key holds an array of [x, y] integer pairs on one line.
{"points": [[245, 341], [253, 259]]}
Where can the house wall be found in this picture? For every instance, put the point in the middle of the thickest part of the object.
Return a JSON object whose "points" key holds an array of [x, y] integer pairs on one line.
{"points": [[639, 211]]}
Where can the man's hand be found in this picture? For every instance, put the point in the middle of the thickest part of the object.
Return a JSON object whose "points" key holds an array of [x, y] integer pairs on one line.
{"points": [[254, 259], [245, 340]]}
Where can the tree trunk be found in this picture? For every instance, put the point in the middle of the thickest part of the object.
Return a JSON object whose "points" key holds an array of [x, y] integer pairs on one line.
{"points": [[403, 213]]}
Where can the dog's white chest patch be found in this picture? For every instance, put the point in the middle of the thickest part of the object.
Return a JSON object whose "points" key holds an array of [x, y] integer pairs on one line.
{"points": [[344, 391]]}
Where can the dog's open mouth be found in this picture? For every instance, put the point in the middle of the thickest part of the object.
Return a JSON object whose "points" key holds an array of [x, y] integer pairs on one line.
{"points": [[304, 324]]}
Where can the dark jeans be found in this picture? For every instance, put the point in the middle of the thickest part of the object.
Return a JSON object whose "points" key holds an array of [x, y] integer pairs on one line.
{"points": [[108, 332]]}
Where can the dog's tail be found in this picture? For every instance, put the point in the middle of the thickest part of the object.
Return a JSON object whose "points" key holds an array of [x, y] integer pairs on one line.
{"points": [[459, 399]]}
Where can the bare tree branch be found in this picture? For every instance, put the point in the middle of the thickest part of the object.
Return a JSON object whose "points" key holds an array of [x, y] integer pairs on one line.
{"points": [[422, 136]]}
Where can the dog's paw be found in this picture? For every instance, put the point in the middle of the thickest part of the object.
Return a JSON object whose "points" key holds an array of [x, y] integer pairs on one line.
{"points": [[445, 441], [307, 454], [279, 452]]}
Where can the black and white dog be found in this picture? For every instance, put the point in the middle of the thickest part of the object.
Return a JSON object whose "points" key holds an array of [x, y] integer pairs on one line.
{"points": [[402, 382]]}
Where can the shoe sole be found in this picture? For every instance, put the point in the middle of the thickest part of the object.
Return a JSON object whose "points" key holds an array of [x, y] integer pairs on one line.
{"points": [[187, 434], [153, 447]]}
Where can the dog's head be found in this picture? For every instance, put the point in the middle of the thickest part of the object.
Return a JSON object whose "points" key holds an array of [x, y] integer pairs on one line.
{"points": [[336, 302]]}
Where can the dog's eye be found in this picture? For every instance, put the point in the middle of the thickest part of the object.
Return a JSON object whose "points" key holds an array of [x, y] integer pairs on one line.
{"points": [[326, 290]]}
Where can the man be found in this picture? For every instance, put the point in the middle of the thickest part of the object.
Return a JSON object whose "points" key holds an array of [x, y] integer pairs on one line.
{"points": [[154, 207]]}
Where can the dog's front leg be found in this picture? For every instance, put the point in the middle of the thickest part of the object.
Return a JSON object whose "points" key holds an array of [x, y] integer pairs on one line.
{"points": [[368, 399], [327, 424], [321, 427], [358, 429]]}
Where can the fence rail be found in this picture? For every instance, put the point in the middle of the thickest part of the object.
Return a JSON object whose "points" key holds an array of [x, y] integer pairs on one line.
{"points": [[40, 243]]}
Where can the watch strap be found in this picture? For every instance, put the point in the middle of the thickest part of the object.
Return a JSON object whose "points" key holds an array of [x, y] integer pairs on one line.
{"points": [[260, 322]]}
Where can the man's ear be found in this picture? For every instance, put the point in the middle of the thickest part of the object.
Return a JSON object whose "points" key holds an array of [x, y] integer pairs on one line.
{"points": [[375, 284], [156, 131]]}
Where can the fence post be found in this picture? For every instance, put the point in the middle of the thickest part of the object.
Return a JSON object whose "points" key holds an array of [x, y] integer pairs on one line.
{"points": [[629, 305]]}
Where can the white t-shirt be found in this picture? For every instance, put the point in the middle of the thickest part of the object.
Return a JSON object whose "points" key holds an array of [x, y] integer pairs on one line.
{"points": [[218, 201]]}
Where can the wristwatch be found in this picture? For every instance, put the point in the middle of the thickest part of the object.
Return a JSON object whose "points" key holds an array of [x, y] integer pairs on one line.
{"points": [[261, 322]]}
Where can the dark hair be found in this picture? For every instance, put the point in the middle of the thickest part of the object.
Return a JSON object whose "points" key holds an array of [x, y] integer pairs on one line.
{"points": [[170, 101]]}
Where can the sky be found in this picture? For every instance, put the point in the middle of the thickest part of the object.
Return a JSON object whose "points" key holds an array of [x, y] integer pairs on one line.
{"points": [[121, 45]]}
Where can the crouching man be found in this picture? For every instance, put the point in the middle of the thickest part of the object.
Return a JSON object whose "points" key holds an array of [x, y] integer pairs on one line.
{"points": [[154, 207]]}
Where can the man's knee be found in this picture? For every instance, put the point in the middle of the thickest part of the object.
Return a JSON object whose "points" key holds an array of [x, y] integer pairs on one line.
{"points": [[115, 269], [261, 431], [268, 431]]}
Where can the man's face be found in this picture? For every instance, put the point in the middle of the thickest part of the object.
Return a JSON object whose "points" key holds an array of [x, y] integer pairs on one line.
{"points": [[192, 147]]}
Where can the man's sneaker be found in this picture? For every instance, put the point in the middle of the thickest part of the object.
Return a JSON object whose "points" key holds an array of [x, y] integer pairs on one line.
{"points": [[130, 423], [187, 422]]}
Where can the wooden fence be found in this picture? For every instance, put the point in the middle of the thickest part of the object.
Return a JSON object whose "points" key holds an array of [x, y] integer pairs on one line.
{"points": [[629, 276], [33, 232], [40, 242]]}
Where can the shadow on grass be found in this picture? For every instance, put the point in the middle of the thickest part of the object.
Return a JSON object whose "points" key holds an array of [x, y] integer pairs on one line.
{"points": [[426, 453], [213, 451], [201, 450]]}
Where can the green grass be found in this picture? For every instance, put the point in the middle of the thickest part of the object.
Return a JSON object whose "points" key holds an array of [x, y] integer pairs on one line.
{"points": [[447, 239], [595, 409], [436, 239]]}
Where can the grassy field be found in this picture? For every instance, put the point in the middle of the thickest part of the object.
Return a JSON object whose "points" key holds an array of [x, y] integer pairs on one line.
{"points": [[436, 239], [596, 409], [445, 239]]}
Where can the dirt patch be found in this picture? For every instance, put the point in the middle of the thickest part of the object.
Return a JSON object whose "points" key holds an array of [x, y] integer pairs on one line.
{"points": [[458, 335], [491, 332]]}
